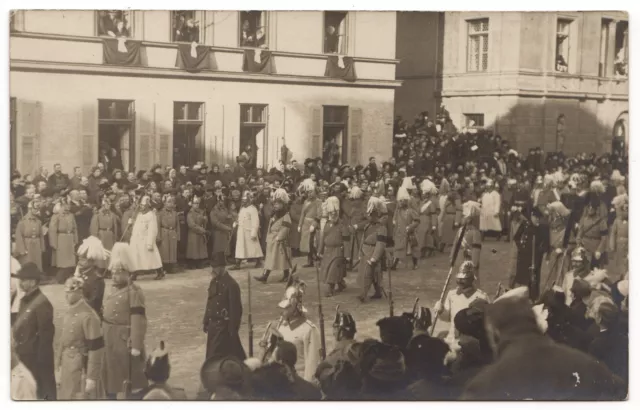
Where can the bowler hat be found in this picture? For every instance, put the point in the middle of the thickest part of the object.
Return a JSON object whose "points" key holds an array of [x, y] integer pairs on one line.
{"points": [[228, 371], [28, 271]]}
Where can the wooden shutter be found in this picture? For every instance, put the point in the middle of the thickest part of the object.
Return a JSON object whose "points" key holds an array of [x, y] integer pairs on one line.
{"points": [[316, 132], [355, 135], [145, 129], [29, 121], [89, 136], [165, 159]]}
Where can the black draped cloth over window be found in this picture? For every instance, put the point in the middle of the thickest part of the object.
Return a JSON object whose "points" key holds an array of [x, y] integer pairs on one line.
{"points": [[265, 66], [202, 61], [348, 73], [130, 55]]}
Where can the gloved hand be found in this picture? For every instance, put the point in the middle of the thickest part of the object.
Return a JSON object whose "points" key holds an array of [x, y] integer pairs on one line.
{"points": [[312, 228], [438, 307], [135, 352], [558, 251], [597, 255]]}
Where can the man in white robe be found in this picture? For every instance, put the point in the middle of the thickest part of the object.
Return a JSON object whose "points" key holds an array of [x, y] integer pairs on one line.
{"points": [[490, 211], [145, 256]]}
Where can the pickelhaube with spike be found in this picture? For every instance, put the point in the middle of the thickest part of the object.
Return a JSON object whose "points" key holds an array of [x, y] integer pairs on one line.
{"points": [[344, 321]]}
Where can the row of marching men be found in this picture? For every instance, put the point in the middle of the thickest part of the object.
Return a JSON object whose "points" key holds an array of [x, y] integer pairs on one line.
{"points": [[101, 351]]}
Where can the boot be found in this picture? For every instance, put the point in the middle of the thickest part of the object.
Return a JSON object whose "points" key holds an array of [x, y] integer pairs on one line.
{"points": [[285, 277], [309, 261], [377, 295], [394, 266], [159, 274], [330, 292], [415, 263], [236, 266], [258, 264], [341, 286], [263, 278]]}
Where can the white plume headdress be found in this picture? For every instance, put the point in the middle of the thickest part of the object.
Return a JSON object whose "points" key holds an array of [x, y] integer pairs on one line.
{"points": [[120, 257], [307, 185], [281, 196], [376, 204], [91, 248], [407, 183], [332, 204], [355, 192], [428, 187], [403, 194]]}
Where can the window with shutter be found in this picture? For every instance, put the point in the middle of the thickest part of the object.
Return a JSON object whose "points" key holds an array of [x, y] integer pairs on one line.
{"points": [[29, 118], [89, 135], [355, 128], [145, 119], [316, 132]]}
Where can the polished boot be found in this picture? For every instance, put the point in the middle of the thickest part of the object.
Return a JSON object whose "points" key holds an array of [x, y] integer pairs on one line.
{"points": [[159, 274], [341, 286], [263, 278], [286, 275], [394, 266], [330, 290], [309, 261], [415, 263]]}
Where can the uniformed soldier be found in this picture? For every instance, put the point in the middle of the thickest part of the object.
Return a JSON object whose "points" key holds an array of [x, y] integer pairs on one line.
{"points": [[428, 211], [372, 250], [472, 242], [81, 349], [406, 221], [223, 313], [593, 232], [295, 328], [580, 267], [124, 327], [309, 220], [460, 298], [278, 255], [29, 237], [157, 369], [558, 259], [331, 248], [168, 236], [90, 252], [356, 213], [63, 237], [197, 253], [33, 331], [619, 238], [104, 226]]}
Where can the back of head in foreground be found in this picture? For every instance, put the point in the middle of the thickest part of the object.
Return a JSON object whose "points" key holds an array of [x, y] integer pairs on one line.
{"points": [[529, 366]]}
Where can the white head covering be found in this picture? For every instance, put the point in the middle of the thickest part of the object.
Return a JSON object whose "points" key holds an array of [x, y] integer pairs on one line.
{"points": [[403, 194], [281, 195], [471, 209], [355, 192], [332, 204], [376, 204], [428, 187]]}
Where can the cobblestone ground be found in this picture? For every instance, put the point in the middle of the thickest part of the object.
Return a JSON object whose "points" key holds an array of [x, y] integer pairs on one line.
{"points": [[176, 304]]}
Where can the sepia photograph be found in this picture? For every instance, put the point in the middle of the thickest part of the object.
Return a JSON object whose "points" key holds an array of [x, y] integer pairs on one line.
{"points": [[318, 205]]}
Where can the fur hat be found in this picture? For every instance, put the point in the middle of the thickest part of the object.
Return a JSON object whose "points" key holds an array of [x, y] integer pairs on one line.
{"points": [[281, 195], [382, 363], [395, 330], [157, 368], [229, 372], [91, 248]]}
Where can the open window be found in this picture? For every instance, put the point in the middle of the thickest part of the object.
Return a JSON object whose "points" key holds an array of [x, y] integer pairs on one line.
{"points": [[253, 29], [115, 133], [114, 23], [603, 65], [478, 45], [188, 133], [334, 135], [474, 121], [185, 26], [253, 134], [621, 62], [335, 32], [563, 45]]}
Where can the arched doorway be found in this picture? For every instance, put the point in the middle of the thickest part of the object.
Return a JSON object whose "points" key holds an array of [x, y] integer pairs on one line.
{"points": [[621, 133]]}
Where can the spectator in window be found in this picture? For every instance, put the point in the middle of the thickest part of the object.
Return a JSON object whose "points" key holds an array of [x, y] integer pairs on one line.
{"points": [[190, 32], [107, 22], [620, 63], [246, 36], [261, 38], [561, 64], [331, 40], [122, 29], [179, 26]]}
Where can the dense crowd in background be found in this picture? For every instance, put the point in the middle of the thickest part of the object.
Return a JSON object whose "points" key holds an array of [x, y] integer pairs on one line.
{"points": [[563, 339]]}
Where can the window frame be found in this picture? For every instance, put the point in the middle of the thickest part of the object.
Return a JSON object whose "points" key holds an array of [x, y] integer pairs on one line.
{"points": [[483, 35], [603, 63], [198, 15], [187, 120], [473, 116], [267, 19], [132, 111], [345, 39], [626, 47], [568, 39], [132, 26], [251, 123]]}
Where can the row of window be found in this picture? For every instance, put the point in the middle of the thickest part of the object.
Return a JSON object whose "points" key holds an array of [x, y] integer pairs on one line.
{"points": [[478, 46], [186, 26]]}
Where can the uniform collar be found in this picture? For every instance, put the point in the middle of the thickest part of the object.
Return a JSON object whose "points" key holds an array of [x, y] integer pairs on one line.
{"points": [[295, 322]]}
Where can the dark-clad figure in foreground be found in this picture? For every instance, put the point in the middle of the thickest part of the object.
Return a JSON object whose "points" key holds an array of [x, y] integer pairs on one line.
{"points": [[530, 366], [223, 313], [33, 331]]}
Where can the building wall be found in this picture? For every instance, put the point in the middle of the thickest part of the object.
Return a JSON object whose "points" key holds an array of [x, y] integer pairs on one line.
{"points": [[58, 75]]}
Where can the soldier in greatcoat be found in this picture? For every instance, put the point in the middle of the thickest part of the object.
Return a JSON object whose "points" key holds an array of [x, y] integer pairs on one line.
{"points": [[309, 220], [168, 235], [471, 244], [374, 242], [331, 248], [619, 238], [63, 237], [406, 221], [278, 255], [296, 328], [532, 242], [29, 237], [81, 349], [104, 226], [356, 213], [247, 237], [428, 213], [223, 313], [197, 235], [90, 252], [126, 221], [33, 331], [222, 221], [593, 232], [559, 256], [124, 326], [450, 217]]}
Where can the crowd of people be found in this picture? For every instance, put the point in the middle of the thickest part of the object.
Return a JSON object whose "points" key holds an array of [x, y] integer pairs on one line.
{"points": [[442, 189]]}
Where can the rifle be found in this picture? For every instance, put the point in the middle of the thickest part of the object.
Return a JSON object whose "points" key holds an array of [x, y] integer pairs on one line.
{"points": [[498, 291], [126, 384], [323, 350], [532, 268], [414, 311], [383, 266], [269, 340], [454, 256], [249, 317]]}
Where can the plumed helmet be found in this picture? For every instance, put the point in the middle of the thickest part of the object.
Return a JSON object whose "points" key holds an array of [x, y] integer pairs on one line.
{"points": [[281, 195], [73, 284], [471, 209], [579, 254], [596, 187], [120, 258], [466, 270], [403, 194], [332, 204], [91, 248], [294, 293], [344, 321], [157, 367], [307, 185], [407, 183], [620, 200], [616, 176], [355, 192], [422, 319], [376, 205], [428, 187]]}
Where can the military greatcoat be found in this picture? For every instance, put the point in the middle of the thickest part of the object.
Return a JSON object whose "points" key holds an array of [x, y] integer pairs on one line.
{"points": [[278, 255], [30, 240], [104, 226], [169, 235], [332, 248], [63, 238]]}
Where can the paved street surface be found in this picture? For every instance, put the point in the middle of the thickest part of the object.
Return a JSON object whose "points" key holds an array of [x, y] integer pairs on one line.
{"points": [[175, 305]]}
